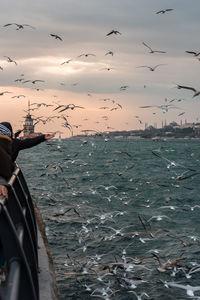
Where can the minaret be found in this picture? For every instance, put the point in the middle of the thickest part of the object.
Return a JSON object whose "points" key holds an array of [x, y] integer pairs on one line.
{"points": [[28, 124]]}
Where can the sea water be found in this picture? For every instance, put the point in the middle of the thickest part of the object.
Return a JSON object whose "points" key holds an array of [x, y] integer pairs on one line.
{"points": [[121, 216]]}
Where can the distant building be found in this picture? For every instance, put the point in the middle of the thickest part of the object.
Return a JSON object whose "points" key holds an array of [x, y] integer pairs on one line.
{"points": [[29, 127], [187, 125]]}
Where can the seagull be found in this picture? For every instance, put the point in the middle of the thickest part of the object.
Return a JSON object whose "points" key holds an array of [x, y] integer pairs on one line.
{"points": [[2, 93], [33, 81], [159, 218], [196, 93], [110, 52], [18, 96], [193, 52], [86, 55], [171, 163], [150, 68], [1, 68], [19, 26], [151, 50], [113, 32], [192, 207], [189, 289], [181, 114], [10, 59], [164, 10], [123, 87], [19, 79], [66, 62], [40, 104], [70, 106], [164, 108], [57, 37], [108, 69]]}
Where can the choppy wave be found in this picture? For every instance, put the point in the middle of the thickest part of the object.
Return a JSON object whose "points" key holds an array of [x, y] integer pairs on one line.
{"points": [[122, 217]]}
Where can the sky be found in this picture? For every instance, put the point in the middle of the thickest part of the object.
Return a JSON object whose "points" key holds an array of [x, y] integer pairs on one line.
{"points": [[92, 83]]}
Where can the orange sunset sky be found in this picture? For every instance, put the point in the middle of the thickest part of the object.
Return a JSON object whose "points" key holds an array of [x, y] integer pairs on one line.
{"points": [[101, 46]]}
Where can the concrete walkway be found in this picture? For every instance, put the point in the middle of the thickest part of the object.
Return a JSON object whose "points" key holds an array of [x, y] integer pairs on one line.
{"points": [[47, 281]]}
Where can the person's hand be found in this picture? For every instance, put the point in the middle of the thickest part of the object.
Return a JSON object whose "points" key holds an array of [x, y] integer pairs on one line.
{"points": [[49, 136], [4, 191]]}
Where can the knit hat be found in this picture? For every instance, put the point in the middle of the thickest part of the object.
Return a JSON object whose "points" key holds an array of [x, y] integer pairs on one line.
{"points": [[6, 129]]}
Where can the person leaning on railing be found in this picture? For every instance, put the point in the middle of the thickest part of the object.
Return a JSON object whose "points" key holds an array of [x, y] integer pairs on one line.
{"points": [[21, 144], [5, 159], [5, 174]]}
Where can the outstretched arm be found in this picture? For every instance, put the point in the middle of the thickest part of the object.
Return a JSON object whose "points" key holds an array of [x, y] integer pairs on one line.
{"points": [[49, 136], [28, 143]]}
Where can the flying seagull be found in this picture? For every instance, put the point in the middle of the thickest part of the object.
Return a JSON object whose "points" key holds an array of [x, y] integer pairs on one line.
{"points": [[86, 55], [150, 68], [33, 81], [10, 59], [57, 37], [123, 87], [163, 11], [193, 52], [182, 113], [40, 104], [70, 106], [108, 69], [110, 52], [113, 32], [19, 26], [151, 50], [164, 107], [196, 93], [18, 96], [189, 289], [66, 62], [2, 93]]}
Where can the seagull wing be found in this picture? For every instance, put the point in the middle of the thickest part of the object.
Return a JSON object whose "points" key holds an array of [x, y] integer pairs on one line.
{"points": [[111, 32], [143, 67], [146, 106], [187, 88], [191, 52], [158, 65], [160, 12], [147, 46], [8, 24], [58, 107], [28, 26], [159, 51]]}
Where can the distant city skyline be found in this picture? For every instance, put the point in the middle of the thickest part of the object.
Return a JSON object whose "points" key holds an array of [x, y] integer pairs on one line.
{"points": [[109, 57]]}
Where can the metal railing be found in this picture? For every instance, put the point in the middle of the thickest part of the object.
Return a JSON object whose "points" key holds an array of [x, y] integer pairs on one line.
{"points": [[18, 240]]}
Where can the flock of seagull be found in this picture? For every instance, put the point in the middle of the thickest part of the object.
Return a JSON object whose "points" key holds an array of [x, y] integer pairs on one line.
{"points": [[117, 250], [165, 107], [135, 260]]}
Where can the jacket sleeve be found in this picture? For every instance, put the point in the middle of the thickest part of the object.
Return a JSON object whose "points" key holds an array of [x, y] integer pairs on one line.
{"points": [[3, 181], [30, 142]]}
